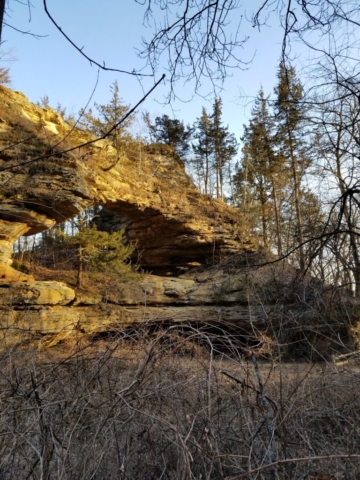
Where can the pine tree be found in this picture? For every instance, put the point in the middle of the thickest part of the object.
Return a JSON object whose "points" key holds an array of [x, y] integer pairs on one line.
{"points": [[203, 149], [172, 132], [225, 147], [291, 114], [265, 180], [109, 115], [101, 251], [258, 169], [262, 156], [106, 118]]}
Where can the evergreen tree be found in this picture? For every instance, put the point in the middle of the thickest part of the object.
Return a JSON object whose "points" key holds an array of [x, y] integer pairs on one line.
{"points": [[172, 132], [101, 251], [224, 147], [258, 164], [106, 118], [290, 114], [265, 181], [203, 149]]}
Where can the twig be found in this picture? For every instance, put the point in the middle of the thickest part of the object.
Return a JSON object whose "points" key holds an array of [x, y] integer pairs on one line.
{"points": [[250, 387], [267, 417], [291, 460], [90, 142], [35, 35], [80, 50]]}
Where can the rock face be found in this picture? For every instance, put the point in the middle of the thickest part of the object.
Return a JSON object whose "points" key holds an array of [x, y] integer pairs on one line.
{"points": [[9, 232], [259, 307], [212, 297], [35, 293], [50, 172]]}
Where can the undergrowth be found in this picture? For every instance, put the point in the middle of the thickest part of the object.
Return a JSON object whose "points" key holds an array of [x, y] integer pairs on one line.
{"points": [[132, 406]]}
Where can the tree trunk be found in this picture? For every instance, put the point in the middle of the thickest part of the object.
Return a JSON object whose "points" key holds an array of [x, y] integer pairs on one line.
{"points": [[263, 201], [207, 172], [221, 181], [231, 185], [295, 175], [80, 267], [277, 219]]}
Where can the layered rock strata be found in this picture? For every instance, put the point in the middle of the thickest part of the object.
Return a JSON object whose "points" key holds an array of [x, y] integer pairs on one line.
{"points": [[50, 171], [258, 307], [211, 297]]}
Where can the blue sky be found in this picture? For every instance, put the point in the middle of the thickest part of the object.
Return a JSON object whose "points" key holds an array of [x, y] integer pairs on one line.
{"points": [[110, 31]]}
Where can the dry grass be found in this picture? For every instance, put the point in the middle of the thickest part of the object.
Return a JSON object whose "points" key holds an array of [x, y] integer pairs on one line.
{"points": [[169, 406], [189, 401]]}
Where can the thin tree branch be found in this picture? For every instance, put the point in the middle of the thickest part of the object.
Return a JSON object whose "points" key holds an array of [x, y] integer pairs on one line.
{"points": [[80, 50], [90, 142], [24, 32], [291, 460]]}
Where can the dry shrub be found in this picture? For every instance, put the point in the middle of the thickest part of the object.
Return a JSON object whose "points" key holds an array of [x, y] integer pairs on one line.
{"points": [[165, 405], [306, 318]]}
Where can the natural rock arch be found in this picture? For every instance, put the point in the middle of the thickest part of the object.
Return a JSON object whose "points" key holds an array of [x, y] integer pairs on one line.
{"points": [[47, 175]]}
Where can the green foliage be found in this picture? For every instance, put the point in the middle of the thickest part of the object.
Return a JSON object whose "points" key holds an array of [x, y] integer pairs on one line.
{"points": [[105, 123], [291, 114], [172, 132], [289, 106], [99, 251], [108, 116], [203, 149], [225, 146], [102, 251], [269, 179], [21, 267], [214, 149], [256, 179]]}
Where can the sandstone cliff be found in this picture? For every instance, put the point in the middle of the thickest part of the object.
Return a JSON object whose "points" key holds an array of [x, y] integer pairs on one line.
{"points": [[51, 171]]}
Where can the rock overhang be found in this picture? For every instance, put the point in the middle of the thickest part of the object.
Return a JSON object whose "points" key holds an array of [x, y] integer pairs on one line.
{"points": [[50, 173]]}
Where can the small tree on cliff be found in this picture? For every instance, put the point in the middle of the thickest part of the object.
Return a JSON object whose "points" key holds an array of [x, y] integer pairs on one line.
{"points": [[101, 251], [108, 116], [5, 78], [170, 131]]}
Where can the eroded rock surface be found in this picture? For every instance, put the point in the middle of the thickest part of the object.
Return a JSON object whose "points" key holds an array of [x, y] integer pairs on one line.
{"points": [[48, 174], [268, 305], [211, 296], [35, 293]]}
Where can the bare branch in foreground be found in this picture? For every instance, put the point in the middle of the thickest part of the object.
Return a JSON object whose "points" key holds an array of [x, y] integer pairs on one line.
{"points": [[80, 50]]}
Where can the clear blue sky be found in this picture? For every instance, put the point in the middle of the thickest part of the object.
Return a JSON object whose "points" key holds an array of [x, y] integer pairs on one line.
{"points": [[110, 31]]}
